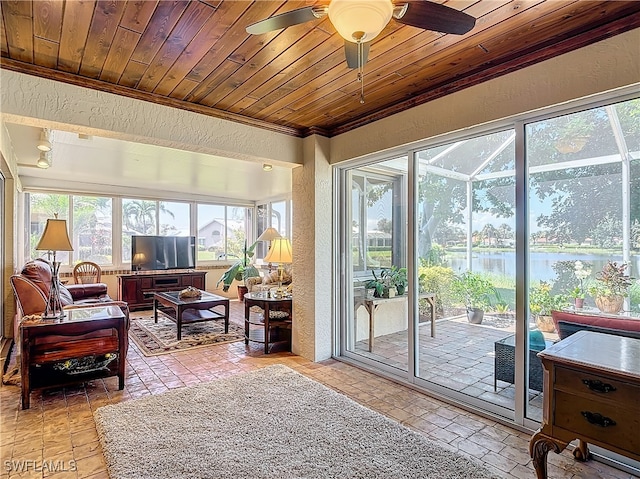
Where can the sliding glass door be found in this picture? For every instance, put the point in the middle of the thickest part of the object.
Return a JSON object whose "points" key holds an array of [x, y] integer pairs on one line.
{"points": [[494, 230], [376, 223]]}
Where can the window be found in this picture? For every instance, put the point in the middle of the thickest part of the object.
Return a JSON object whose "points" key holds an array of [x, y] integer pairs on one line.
{"points": [[91, 234], [222, 231], [377, 218], [43, 206], [174, 219]]}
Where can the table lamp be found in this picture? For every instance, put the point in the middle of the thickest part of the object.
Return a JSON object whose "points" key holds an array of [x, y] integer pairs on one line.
{"points": [[269, 235], [280, 253], [55, 238], [137, 261]]}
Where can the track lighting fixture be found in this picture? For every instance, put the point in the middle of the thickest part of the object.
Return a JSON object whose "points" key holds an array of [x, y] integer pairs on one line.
{"points": [[44, 144], [44, 161]]}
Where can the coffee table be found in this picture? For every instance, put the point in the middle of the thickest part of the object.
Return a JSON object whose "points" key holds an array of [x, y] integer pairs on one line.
{"points": [[191, 310]]}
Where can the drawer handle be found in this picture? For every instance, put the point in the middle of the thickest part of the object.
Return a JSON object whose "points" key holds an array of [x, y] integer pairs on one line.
{"points": [[598, 386], [598, 419]]}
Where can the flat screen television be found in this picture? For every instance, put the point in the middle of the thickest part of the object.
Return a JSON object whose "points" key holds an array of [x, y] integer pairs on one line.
{"points": [[150, 253]]}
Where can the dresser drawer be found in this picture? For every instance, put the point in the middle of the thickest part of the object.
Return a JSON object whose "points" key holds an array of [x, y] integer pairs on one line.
{"points": [[569, 414], [595, 386]]}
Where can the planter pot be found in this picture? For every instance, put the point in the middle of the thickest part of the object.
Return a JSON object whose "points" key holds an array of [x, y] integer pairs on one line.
{"points": [[242, 290], [475, 315], [545, 323], [389, 293], [609, 304], [578, 303]]}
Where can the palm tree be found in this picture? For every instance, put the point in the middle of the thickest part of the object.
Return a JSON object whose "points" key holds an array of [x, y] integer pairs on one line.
{"points": [[140, 215]]}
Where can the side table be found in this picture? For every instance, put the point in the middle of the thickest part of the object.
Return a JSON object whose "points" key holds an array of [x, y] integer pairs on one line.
{"points": [[88, 343], [276, 321]]}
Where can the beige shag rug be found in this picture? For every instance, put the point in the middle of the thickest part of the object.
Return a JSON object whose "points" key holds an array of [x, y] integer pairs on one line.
{"points": [[269, 423], [161, 338]]}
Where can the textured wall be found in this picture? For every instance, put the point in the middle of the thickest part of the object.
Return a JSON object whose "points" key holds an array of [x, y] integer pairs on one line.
{"points": [[46, 103], [603, 66], [312, 252]]}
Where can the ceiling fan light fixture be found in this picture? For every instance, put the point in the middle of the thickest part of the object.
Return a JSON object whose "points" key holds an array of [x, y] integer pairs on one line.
{"points": [[352, 16]]}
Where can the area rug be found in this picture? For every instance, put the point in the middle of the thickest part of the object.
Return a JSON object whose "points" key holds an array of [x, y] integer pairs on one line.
{"points": [[273, 422], [161, 338]]}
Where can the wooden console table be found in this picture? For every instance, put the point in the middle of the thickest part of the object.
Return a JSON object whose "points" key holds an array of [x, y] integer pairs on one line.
{"points": [[591, 391], [137, 289], [372, 304], [88, 343]]}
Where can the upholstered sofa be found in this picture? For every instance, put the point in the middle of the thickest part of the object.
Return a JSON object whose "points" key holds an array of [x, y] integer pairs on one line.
{"points": [[567, 323], [31, 289]]}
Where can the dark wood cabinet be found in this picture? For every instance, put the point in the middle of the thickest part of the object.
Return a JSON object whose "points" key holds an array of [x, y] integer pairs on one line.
{"points": [[88, 343], [137, 289]]}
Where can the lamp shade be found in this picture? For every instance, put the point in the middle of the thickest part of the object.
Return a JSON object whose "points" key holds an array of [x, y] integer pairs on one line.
{"points": [[55, 236], [269, 235], [280, 251], [138, 258], [365, 16]]}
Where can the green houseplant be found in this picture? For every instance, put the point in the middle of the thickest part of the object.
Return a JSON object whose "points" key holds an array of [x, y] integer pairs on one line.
{"points": [[388, 283], [611, 287], [542, 302], [397, 278], [475, 291], [240, 270]]}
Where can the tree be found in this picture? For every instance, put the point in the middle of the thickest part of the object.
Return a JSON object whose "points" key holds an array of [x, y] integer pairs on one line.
{"points": [[385, 225], [140, 215]]}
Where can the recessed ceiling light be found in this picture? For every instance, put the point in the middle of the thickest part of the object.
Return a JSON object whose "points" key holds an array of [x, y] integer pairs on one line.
{"points": [[267, 167]]}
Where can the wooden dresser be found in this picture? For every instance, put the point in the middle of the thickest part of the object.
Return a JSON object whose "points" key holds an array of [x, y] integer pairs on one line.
{"points": [[591, 393]]}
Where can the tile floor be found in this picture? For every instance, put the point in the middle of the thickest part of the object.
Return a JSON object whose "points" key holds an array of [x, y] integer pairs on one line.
{"points": [[59, 430], [461, 357]]}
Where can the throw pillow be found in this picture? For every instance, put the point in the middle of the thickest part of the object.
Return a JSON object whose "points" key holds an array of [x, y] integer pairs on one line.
{"points": [[536, 340]]}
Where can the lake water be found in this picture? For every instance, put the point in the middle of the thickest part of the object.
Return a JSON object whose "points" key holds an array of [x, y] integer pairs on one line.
{"points": [[540, 264]]}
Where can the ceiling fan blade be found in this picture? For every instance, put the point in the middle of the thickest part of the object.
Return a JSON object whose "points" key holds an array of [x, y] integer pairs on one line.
{"points": [[284, 20], [351, 52], [436, 17]]}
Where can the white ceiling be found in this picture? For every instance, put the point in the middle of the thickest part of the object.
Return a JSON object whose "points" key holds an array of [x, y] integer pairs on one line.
{"points": [[103, 164]]}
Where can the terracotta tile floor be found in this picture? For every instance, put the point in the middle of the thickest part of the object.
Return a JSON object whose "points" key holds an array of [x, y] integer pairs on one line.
{"points": [[59, 429]]}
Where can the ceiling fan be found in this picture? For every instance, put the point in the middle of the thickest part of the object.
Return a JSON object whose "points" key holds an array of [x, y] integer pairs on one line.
{"points": [[360, 21]]}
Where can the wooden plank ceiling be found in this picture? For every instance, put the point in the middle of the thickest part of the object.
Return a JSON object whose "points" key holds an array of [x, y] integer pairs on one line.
{"points": [[197, 56]]}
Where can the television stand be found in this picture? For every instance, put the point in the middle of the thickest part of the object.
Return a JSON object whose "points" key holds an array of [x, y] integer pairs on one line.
{"points": [[138, 288]]}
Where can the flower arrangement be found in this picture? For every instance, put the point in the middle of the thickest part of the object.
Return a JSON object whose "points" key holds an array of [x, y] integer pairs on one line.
{"points": [[581, 271], [612, 281]]}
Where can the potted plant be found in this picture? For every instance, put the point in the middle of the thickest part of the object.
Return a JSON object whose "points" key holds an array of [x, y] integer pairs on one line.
{"points": [[611, 287], [386, 283], [475, 291], [542, 302], [581, 272], [240, 271], [397, 278]]}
